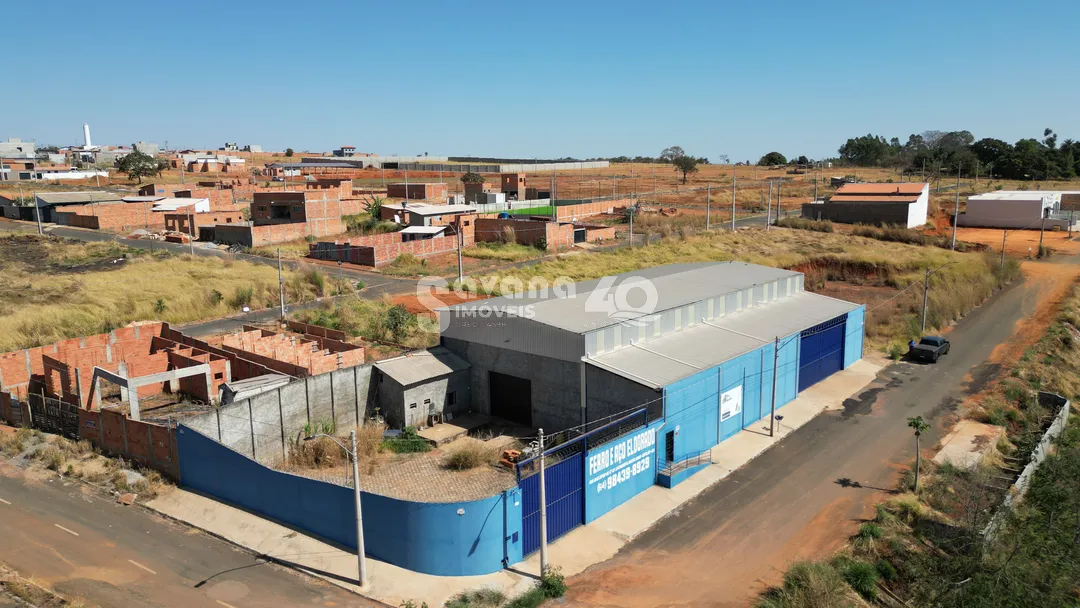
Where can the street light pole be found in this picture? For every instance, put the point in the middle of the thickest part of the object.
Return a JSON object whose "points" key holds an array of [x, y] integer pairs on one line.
{"points": [[772, 407], [708, 206], [925, 292], [543, 509], [361, 563], [281, 285], [734, 180], [956, 209]]}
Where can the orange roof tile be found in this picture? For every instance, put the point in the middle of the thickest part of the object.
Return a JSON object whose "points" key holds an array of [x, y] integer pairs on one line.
{"points": [[882, 189], [871, 198]]}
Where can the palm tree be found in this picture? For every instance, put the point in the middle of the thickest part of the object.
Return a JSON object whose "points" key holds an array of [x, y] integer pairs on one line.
{"points": [[919, 425]]}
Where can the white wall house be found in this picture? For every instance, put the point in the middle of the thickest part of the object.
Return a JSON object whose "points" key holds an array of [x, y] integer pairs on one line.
{"points": [[1015, 209]]}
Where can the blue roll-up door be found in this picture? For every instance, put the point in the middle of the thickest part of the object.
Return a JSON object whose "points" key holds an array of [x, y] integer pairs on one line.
{"points": [[821, 351]]}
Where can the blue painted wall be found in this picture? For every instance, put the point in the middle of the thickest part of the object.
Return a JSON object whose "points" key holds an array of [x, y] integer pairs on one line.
{"points": [[432, 538], [693, 404], [618, 470], [853, 342]]}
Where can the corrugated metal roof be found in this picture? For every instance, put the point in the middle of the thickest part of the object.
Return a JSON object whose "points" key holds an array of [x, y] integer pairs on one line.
{"points": [[438, 209], [661, 361], [421, 365], [423, 230], [76, 198], [676, 285], [142, 199]]}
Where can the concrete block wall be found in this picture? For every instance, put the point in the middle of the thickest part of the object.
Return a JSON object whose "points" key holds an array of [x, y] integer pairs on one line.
{"points": [[263, 427]]}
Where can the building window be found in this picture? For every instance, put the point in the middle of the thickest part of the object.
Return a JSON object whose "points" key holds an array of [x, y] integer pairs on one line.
{"points": [[412, 406], [451, 398], [427, 401], [219, 375]]}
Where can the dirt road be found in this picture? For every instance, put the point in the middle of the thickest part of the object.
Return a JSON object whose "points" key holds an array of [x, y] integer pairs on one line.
{"points": [[69, 538], [806, 496]]}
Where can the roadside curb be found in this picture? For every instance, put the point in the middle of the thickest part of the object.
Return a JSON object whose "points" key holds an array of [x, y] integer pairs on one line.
{"points": [[259, 555]]}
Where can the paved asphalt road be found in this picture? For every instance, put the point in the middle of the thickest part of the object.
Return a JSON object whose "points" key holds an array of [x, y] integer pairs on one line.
{"points": [[82, 544], [795, 500]]}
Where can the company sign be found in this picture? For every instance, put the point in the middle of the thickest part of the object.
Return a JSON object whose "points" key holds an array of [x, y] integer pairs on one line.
{"points": [[618, 470]]}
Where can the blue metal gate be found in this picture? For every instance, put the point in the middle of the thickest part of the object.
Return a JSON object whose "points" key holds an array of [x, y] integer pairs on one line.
{"points": [[565, 501], [564, 478], [821, 351]]}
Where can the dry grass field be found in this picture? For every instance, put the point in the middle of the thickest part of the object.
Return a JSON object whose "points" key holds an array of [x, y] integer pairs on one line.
{"points": [[52, 289]]}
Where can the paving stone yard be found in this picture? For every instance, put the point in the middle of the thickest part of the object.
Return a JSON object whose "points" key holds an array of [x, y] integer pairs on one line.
{"points": [[421, 477]]}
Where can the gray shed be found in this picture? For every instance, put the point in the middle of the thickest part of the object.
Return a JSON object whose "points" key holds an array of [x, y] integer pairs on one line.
{"points": [[420, 388]]}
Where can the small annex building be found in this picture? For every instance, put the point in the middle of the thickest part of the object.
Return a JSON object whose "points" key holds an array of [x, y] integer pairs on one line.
{"points": [[903, 204]]}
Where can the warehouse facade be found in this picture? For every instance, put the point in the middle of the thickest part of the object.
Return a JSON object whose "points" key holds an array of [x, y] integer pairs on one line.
{"points": [[700, 360]]}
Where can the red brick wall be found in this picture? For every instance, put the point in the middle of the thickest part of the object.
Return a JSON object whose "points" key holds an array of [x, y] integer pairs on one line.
{"points": [[178, 222], [424, 191], [112, 216], [149, 444], [380, 249], [569, 212]]}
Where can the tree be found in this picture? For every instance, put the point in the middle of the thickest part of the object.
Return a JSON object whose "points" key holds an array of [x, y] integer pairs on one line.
{"points": [[919, 426], [138, 165], [671, 153], [802, 160], [473, 178], [772, 158], [373, 207], [288, 151], [686, 164]]}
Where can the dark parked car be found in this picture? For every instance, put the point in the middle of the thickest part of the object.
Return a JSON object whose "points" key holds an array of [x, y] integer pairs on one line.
{"points": [[930, 348]]}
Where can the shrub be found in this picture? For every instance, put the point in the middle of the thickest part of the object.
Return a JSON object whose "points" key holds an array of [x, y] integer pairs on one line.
{"points": [[470, 453], [541, 243], [552, 582], [398, 321], [863, 578], [317, 453], [317, 279], [799, 223], [885, 569], [160, 307], [407, 442], [809, 584], [242, 297], [51, 456], [215, 297], [869, 531], [477, 598]]}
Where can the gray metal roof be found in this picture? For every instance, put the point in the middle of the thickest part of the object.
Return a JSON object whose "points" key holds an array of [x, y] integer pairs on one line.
{"points": [[661, 361], [76, 198], [438, 209], [423, 230], [421, 365], [676, 285]]}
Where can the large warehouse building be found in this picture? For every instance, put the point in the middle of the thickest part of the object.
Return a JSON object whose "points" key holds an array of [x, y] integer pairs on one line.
{"points": [[700, 357]]}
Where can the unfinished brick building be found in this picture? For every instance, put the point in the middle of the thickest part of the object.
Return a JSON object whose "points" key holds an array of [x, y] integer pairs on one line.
{"points": [[419, 191], [556, 235], [278, 217], [122, 390], [381, 249]]}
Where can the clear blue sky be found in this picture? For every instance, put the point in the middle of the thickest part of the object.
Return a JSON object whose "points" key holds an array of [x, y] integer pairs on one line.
{"points": [[538, 79]]}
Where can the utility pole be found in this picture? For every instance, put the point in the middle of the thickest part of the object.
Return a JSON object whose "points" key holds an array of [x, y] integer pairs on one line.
{"points": [[925, 292], [815, 188], [361, 564], [779, 183], [543, 510], [630, 210], [612, 187], [1004, 235], [191, 235], [775, 370], [734, 178], [460, 238], [1042, 231], [956, 209], [708, 206], [406, 184], [768, 208], [976, 175], [281, 285], [37, 212], [182, 169]]}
